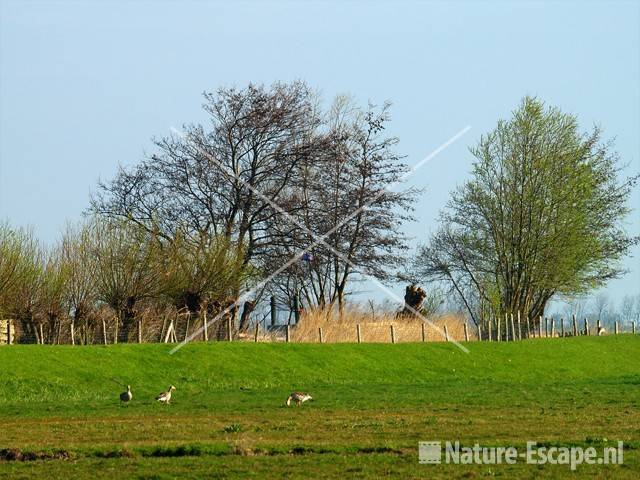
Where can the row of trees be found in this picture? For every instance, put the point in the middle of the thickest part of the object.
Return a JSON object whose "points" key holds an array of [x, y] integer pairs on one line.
{"points": [[272, 173], [117, 266], [219, 207], [275, 187], [601, 307]]}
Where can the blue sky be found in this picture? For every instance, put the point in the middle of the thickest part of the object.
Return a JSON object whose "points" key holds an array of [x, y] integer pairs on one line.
{"points": [[85, 85]]}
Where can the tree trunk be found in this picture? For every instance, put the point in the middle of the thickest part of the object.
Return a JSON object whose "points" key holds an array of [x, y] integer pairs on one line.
{"points": [[244, 317], [413, 298], [128, 320]]}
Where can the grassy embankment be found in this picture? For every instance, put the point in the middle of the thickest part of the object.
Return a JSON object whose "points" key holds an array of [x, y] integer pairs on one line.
{"points": [[373, 403]]}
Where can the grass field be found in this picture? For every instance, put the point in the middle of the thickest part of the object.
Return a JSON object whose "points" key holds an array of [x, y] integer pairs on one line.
{"points": [[60, 413]]}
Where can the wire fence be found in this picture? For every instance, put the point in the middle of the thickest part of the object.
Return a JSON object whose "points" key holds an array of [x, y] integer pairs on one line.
{"points": [[178, 327]]}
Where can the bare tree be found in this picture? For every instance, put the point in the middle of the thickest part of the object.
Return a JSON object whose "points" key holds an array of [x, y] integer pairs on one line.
{"points": [[77, 252], [22, 261], [220, 180], [270, 155], [343, 198], [18, 252], [574, 306], [601, 306], [205, 270], [51, 305], [126, 258]]}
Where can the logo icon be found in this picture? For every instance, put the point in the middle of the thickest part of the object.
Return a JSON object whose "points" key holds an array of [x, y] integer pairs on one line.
{"points": [[429, 452]]}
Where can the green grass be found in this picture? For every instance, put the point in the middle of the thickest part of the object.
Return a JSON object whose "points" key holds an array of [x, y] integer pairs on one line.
{"points": [[373, 403]]}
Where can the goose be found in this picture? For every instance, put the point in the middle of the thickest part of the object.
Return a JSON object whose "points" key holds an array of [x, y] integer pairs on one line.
{"points": [[299, 398], [126, 396], [166, 396]]}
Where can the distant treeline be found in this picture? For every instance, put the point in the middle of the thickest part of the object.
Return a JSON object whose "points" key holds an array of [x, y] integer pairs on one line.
{"points": [[278, 195]]}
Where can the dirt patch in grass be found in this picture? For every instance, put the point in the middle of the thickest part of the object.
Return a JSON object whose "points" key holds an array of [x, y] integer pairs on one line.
{"points": [[191, 450], [18, 455]]}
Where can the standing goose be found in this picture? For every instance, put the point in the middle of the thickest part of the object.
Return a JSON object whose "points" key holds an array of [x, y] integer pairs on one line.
{"points": [[166, 396], [299, 398], [126, 396]]}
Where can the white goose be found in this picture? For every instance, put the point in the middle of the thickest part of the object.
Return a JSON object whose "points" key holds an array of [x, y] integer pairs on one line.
{"points": [[165, 397], [126, 396]]}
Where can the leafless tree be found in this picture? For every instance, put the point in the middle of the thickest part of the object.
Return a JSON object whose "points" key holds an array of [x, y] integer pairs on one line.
{"points": [[343, 198], [630, 309], [601, 305], [126, 257], [77, 252], [267, 156], [220, 179]]}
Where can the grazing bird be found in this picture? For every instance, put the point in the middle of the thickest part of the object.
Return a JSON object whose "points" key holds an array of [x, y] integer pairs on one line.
{"points": [[166, 396], [126, 396], [299, 398]]}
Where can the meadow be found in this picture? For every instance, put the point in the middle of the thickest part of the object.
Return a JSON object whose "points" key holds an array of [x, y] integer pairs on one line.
{"points": [[60, 416]]}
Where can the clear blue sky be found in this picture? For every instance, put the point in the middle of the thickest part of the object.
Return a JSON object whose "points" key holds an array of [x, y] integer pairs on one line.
{"points": [[85, 85]]}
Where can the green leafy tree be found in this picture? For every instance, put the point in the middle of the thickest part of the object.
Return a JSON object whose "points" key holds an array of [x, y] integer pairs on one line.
{"points": [[541, 216]]}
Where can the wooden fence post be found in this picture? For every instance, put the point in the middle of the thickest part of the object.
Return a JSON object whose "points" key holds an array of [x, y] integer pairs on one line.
{"points": [[167, 336], [498, 328], [519, 327], [41, 335], [615, 327], [393, 334], [186, 330], [73, 340], [575, 326], [633, 327], [553, 327], [205, 326], [358, 334], [104, 332], [598, 327], [466, 333], [480, 332], [562, 326], [540, 327], [513, 329], [139, 331], [229, 337], [255, 336], [489, 330], [320, 334], [296, 308], [446, 333], [586, 327], [546, 327], [274, 312], [506, 327], [424, 333], [287, 334], [9, 336], [528, 327]]}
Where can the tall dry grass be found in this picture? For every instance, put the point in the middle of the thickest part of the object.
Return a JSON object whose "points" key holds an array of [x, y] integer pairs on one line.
{"points": [[375, 328]]}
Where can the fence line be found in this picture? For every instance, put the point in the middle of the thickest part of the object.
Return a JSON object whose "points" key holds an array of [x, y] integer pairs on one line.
{"points": [[181, 326]]}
